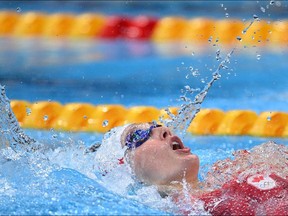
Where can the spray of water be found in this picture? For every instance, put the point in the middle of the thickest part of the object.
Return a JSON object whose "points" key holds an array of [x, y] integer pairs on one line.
{"points": [[79, 159], [180, 122], [36, 161], [11, 133]]}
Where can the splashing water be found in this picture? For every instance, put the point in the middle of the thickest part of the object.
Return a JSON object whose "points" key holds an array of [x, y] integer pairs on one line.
{"points": [[239, 38], [12, 135], [105, 123], [255, 18], [49, 172], [72, 155], [179, 123]]}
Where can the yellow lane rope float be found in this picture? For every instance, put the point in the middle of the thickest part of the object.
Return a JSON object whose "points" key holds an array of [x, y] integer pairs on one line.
{"points": [[101, 118], [166, 29]]}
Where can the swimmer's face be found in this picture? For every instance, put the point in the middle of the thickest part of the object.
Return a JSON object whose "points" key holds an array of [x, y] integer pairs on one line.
{"points": [[163, 159]]}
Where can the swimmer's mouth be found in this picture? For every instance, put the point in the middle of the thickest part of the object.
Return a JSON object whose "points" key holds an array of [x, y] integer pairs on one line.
{"points": [[177, 143]]}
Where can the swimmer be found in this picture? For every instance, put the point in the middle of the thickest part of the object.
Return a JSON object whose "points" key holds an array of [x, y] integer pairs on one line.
{"points": [[158, 157]]}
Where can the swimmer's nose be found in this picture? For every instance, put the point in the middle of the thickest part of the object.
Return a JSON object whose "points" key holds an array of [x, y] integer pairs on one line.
{"points": [[162, 132]]}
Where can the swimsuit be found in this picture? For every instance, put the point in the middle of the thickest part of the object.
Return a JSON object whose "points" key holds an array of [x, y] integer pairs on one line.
{"points": [[257, 195]]}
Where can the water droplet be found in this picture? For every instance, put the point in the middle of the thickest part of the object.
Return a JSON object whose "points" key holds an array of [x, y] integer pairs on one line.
{"points": [[218, 57], [28, 111], [45, 117], [226, 15], [187, 88], [85, 117], [195, 73], [258, 57], [272, 2], [263, 9], [269, 118], [216, 76], [183, 98], [202, 80], [105, 123], [221, 5], [256, 17], [187, 76], [239, 38], [278, 3], [192, 53], [210, 39], [18, 9]]}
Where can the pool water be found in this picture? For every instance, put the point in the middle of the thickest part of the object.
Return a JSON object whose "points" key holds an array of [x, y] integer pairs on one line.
{"points": [[61, 178], [112, 72], [65, 182]]}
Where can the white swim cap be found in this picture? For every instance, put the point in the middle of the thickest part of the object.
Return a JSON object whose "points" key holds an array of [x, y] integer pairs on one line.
{"points": [[110, 154]]}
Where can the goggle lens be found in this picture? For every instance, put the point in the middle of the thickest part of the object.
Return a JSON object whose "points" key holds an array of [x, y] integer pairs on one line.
{"points": [[139, 136]]}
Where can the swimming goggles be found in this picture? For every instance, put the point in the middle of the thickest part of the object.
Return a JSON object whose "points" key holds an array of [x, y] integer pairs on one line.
{"points": [[139, 136]]}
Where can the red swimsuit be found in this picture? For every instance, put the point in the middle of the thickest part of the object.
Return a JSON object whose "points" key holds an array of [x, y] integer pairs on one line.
{"points": [[257, 195]]}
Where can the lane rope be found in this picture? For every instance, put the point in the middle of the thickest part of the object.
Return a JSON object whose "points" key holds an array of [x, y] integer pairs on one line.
{"points": [[101, 118], [195, 30]]}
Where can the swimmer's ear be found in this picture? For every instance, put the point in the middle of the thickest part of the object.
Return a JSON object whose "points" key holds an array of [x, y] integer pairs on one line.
{"points": [[93, 148]]}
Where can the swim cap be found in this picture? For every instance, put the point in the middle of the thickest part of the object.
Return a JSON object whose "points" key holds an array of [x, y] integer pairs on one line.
{"points": [[111, 163], [111, 153]]}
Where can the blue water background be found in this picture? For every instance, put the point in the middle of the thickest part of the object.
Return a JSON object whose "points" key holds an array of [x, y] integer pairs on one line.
{"points": [[186, 9], [141, 73], [129, 73]]}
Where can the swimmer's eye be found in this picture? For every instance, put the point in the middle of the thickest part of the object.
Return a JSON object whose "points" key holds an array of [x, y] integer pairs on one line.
{"points": [[138, 137]]}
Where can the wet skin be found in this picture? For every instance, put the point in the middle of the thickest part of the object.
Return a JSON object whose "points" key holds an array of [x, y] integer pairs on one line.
{"points": [[163, 159]]}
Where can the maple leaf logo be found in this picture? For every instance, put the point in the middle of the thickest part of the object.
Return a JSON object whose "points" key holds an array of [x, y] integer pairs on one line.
{"points": [[258, 179]]}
